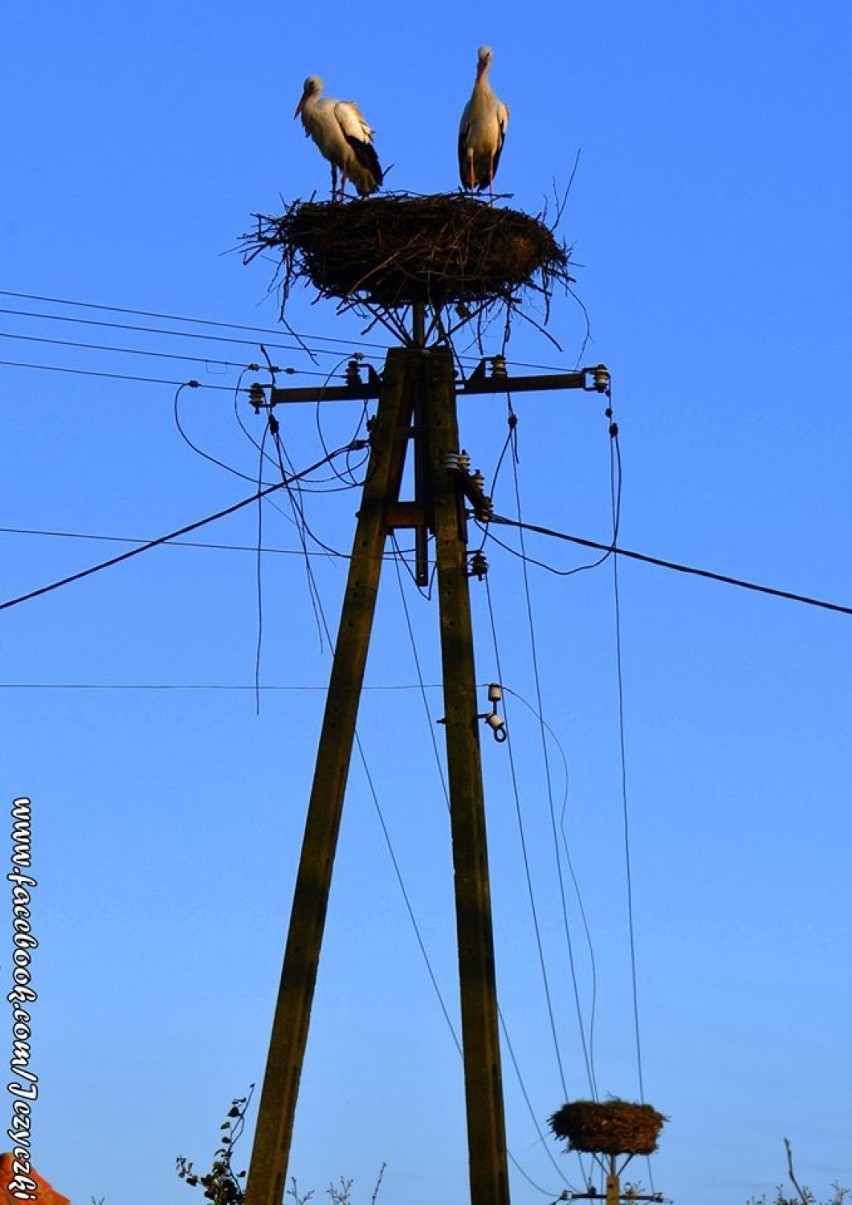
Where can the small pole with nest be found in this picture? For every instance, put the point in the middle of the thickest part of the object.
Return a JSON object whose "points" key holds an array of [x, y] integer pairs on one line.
{"points": [[609, 1129]]}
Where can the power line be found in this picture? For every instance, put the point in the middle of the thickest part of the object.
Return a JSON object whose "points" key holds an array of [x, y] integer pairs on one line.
{"points": [[114, 376], [673, 565], [84, 535], [205, 686], [138, 351], [158, 330], [531, 627], [236, 326], [309, 339], [124, 556]]}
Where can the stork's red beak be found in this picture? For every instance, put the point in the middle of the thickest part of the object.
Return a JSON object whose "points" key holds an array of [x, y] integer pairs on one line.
{"points": [[300, 105]]}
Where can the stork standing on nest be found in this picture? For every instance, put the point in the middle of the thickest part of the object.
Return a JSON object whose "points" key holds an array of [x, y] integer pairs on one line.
{"points": [[482, 130], [343, 136]]}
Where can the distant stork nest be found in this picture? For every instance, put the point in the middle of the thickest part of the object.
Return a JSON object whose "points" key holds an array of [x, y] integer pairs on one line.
{"points": [[612, 1127], [394, 251]]}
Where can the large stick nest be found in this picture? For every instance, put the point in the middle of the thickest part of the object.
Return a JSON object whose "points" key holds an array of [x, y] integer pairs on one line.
{"points": [[613, 1127], [394, 251]]}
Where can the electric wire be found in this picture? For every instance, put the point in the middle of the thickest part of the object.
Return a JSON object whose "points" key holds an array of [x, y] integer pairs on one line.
{"points": [[125, 556], [231, 340], [503, 1026], [533, 644], [213, 686], [678, 567], [302, 527], [309, 339], [430, 970], [675, 566], [616, 479], [429, 718], [548, 996], [321, 617], [258, 566], [631, 926], [531, 894], [425, 591], [336, 475], [303, 532], [217, 547], [117, 309], [138, 351], [200, 451], [111, 376], [581, 908]]}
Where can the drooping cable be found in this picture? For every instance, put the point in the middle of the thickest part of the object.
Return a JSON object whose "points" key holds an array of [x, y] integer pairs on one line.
{"points": [[195, 448], [404, 890], [546, 762], [548, 996], [301, 524], [616, 477], [581, 908], [259, 581], [531, 894], [429, 719], [503, 1026]]}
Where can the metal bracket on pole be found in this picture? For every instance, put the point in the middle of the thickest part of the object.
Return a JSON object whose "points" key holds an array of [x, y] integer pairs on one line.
{"points": [[595, 380]]}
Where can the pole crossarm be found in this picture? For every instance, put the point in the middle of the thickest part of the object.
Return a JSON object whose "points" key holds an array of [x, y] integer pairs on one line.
{"points": [[595, 379]]}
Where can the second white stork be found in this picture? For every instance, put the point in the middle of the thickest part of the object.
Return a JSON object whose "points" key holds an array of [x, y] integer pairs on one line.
{"points": [[482, 130], [343, 136]]}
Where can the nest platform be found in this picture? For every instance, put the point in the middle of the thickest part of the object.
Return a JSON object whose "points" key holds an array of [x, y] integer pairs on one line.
{"points": [[613, 1127], [394, 251]]}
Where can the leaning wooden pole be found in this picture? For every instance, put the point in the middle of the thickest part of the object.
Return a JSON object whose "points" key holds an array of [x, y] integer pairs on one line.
{"points": [[273, 1134], [489, 1183]]}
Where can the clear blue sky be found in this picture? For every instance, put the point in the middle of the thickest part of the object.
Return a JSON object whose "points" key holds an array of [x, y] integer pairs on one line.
{"points": [[709, 220]]}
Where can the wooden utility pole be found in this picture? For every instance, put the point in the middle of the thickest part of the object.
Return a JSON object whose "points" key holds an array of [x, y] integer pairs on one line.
{"points": [[277, 1108], [486, 1131], [417, 384]]}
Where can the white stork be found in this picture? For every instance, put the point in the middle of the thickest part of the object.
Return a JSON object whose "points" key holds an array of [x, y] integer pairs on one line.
{"points": [[343, 137], [482, 129]]}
